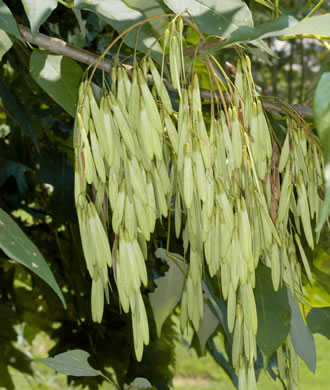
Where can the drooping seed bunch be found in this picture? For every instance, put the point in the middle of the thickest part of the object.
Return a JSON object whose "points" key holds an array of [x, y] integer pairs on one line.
{"points": [[237, 199]]}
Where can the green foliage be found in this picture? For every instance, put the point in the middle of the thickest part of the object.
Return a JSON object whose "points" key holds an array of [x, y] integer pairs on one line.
{"points": [[318, 320], [301, 336], [168, 292], [17, 246], [321, 109], [38, 98], [274, 319], [7, 21]]}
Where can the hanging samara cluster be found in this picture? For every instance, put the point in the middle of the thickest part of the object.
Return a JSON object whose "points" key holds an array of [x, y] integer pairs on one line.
{"points": [[237, 199]]}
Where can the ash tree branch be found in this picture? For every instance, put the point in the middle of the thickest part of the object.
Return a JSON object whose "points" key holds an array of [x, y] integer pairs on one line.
{"points": [[58, 46]]}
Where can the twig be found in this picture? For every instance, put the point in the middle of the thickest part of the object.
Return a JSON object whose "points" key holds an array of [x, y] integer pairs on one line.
{"points": [[59, 46]]}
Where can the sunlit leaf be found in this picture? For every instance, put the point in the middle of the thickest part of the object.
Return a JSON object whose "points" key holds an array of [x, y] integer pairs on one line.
{"points": [[215, 17], [59, 76], [38, 12], [5, 43]]}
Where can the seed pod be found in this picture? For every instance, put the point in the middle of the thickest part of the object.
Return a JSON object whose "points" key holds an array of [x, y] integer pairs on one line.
{"points": [[304, 259], [172, 133], [134, 101], [97, 300], [199, 171], [152, 145], [161, 89], [99, 239], [237, 337], [275, 266], [88, 162], [236, 137], [118, 211], [150, 105], [184, 311], [141, 217], [151, 204], [177, 215], [281, 362], [264, 130], [140, 262], [98, 159], [204, 141], [122, 124], [184, 136], [175, 63], [231, 308], [137, 180], [188, 181], [162, 207]]}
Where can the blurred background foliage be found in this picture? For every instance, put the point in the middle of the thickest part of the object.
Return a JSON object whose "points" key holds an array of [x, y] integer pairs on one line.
{"points": [[36, 187]]}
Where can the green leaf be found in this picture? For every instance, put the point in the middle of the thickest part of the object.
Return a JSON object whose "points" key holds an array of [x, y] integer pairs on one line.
{"points": [[72, 363], [38, 12], [207, 326], [150, 8], [273, 312], [284, 25], [16, 170], [7, 21], [265, 30], [315, 25], [215, 17], [302, 339], [19, 247], [321, 112], [5, 43], [168, 291], [59, 76], [318, 320], [121, 17]]}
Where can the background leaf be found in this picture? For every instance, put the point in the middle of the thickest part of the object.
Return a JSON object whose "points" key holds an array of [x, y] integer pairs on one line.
{"points": [[59, 76], [17, 246], [318, 321], [7, 21], [22, 117], [273, 312], [38, 12], [321, 112], [302, 339], [120, 17], [168, 291], [72, 363], [5, 43]]}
